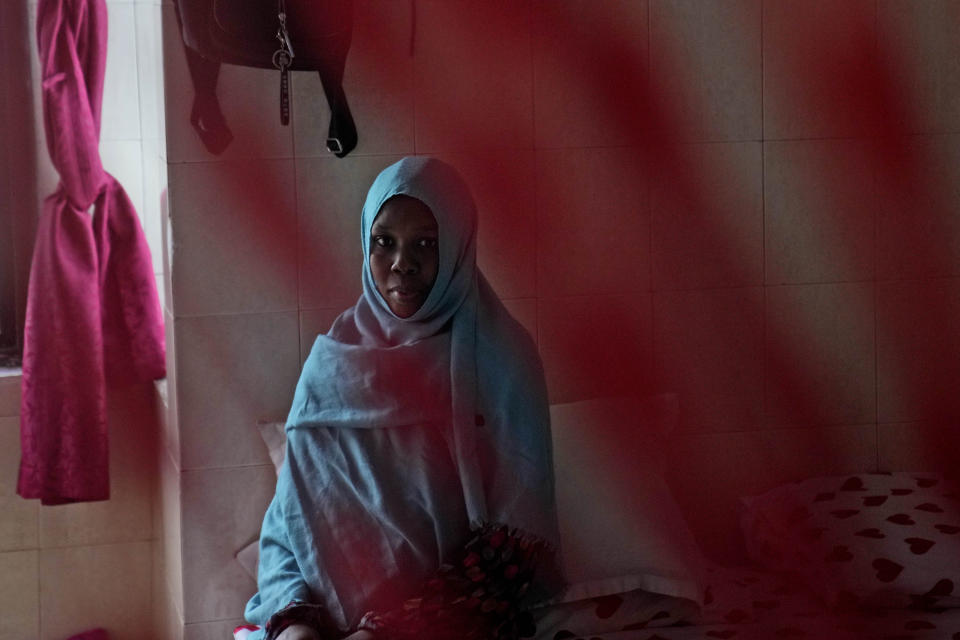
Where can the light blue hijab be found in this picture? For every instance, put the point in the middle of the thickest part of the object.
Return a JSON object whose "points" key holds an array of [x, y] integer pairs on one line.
{"points": [[461, 360]]}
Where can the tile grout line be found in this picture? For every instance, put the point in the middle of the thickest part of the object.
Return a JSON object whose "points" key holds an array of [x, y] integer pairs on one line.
{"points": [[876, 290], [764, 409]]}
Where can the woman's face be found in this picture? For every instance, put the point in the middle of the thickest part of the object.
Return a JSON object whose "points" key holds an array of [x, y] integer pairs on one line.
{"points": [[404, 255]]}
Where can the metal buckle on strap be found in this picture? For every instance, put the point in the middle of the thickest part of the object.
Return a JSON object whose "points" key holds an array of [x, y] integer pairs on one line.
{"points": [[334, 145]]}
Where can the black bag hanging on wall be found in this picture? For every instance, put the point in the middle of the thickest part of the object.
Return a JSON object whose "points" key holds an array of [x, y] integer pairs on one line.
{"points": [[298, 35]]}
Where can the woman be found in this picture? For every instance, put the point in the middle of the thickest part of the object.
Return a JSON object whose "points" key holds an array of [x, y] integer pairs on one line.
{"points": [[419, 433]]}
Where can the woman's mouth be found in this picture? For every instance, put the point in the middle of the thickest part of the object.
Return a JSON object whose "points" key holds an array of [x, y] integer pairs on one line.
{"points": [[404, 293]]}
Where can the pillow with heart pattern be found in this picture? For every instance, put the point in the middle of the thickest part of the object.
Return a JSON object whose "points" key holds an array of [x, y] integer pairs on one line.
{"points": [[880, 539]]}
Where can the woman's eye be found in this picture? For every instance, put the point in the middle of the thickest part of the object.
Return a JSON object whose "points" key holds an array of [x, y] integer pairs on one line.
{"points": [[428, 243], [382, 241]]}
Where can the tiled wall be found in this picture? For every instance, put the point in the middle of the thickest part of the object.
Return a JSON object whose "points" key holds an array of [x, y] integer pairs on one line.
{"points": [[69, 568], [746, 250], [74, 567]]}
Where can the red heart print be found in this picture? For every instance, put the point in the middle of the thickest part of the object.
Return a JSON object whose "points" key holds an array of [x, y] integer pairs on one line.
{"points": [[919, 546], [874, 501], [929, 507], [900, 518], [947, 529], [887, 570], [853, 484], [926, 483], [823, 497], [901, 492], [943, 588], [844, 513], [839, 554], [870, 533]]}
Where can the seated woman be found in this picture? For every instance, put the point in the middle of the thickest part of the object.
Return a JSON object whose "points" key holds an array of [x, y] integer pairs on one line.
{"points": [[417, 495]]}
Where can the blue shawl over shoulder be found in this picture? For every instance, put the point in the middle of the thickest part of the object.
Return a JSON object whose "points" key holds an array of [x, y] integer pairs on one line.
{"points": [[404, 433]]}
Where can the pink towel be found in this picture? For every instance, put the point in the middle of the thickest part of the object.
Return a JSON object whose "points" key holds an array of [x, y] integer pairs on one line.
{"points": [[93, 314]]}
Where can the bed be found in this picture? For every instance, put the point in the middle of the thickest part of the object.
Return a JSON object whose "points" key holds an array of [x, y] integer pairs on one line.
{"points": [[860, 556]]}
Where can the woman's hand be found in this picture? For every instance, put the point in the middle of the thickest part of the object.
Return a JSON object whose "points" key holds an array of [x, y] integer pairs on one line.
{"points": [[299, 632]]}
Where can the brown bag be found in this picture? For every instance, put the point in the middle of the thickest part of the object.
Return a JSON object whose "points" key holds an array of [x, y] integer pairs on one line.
{"points": [[298, 35]]}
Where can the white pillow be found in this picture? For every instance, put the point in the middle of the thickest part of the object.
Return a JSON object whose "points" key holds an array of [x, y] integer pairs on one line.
{"points": [[275, 438], [620, 527]]}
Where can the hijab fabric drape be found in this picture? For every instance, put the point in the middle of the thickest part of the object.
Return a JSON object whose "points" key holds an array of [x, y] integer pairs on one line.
{"points": [[375, 370], [93, 315], [367, 503]]}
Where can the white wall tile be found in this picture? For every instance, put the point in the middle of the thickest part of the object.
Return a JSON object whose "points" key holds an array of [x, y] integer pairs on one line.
{"points": [[577, 45], [9, 396], [819, 354], [218, 630], [215, 585], [818, 66], [492, 104], [524, 311], [171, 538], [19, 524], [920, 40], [593, 222], [595, 346], [20, 594], [313, 322], [710, 472], [378, 81], [708, 348], [918, 446], [166, 619], [819, 207], [330, 197], [168, 622], [918, 229], [171, 423], [504, 189], [249, 100], [126, 516], [149, 67], [151, 218], [166, 234], [233, 371], [707, 223], [918, 350], [234, 237], [86, 587], [705, 65], [121, 104], [123, 159]]}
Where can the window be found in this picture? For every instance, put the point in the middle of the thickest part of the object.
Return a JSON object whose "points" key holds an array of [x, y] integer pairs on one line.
{"points": [[18, 191]]}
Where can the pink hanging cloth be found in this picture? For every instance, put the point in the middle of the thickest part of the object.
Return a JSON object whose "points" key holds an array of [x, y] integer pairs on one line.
{"points": [[93, 316]]}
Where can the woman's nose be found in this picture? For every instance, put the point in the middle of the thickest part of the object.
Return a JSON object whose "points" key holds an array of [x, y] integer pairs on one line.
{"points": [[404, 262]]}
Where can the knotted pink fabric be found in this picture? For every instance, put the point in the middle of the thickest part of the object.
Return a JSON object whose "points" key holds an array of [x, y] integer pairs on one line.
{"points": [[93, 315]]}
